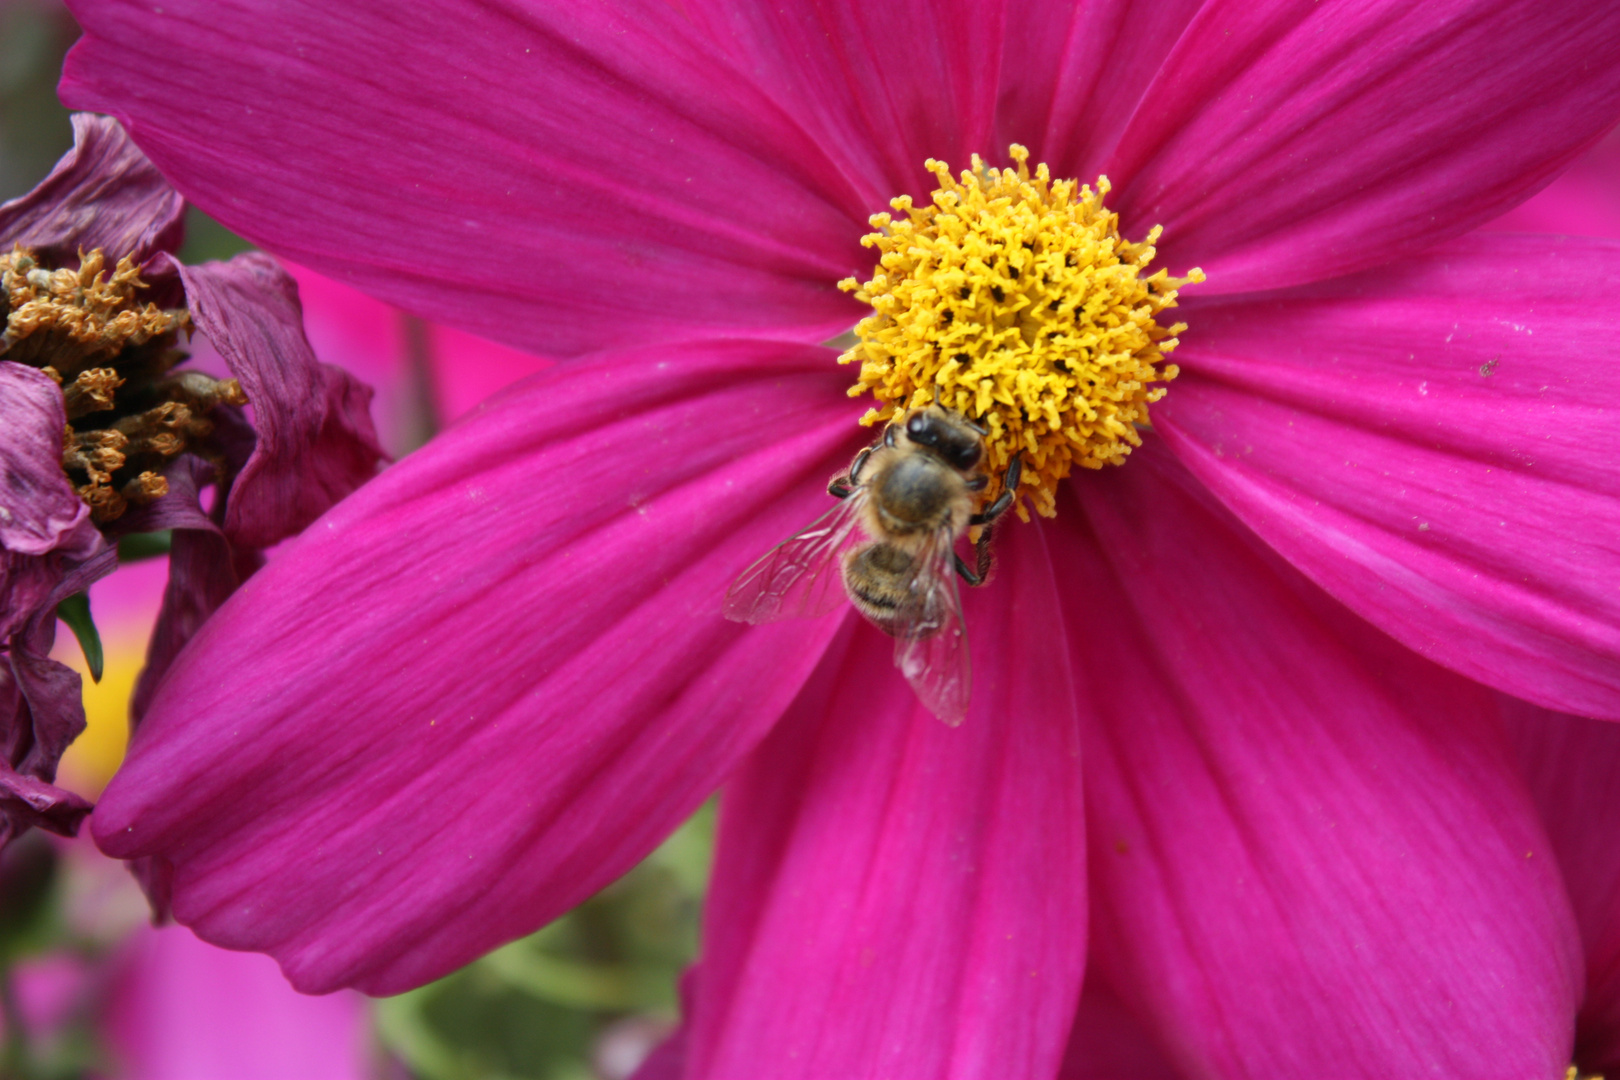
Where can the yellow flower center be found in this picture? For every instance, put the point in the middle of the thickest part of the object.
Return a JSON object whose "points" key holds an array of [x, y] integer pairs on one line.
{"points": [[111, 352], [1017, 302]]}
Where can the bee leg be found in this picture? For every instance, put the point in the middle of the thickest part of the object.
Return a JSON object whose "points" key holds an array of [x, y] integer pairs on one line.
{"points": [[858, 464], [1009, 487], [981, 555], [995, 510], [842, 487]]}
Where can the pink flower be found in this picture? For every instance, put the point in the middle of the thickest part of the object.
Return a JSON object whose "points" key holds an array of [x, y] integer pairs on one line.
{"points": [[1235, 719]]}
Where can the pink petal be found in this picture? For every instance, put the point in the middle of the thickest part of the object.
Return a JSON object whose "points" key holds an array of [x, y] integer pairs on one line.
{"points": [[1585, 201], [315, 440], [876, 108], [467, 369], [1109, 1043], [102, 194], [377, 344], [184, 1010], [1285, 142], [1309, 845], [1435, 445], [1571, 764], [556, 176], [488, 682], [1073, 72], [421, 372], [894, 897]]}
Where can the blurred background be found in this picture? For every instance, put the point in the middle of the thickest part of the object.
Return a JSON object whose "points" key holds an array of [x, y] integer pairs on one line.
{"points": [[89, 989]]}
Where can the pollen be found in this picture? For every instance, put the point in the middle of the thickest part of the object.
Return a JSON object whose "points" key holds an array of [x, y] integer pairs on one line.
{"points": [[1013, 299], [90, 329], [76, 316]]}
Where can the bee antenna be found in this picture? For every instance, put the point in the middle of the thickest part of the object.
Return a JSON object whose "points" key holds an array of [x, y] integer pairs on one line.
{"points": [[974, 424], [936, 393]]}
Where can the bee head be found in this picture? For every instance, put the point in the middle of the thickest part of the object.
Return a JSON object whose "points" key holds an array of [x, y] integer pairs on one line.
{"points": [[954, 439]]}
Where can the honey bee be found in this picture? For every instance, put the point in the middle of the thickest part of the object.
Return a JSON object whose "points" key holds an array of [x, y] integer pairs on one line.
{"points": [[906, 501]]}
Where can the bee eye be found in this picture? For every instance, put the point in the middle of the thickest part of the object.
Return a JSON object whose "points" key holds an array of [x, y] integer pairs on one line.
{"points": [[964, 457], [920, 431]]}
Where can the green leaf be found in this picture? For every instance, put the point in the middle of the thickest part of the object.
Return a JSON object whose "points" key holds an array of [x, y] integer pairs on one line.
{"points": [[138, 546], [75, 611], [537, 1008]]}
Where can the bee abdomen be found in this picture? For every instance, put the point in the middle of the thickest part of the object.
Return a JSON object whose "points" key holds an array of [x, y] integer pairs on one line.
{"points": [[878, 581]]}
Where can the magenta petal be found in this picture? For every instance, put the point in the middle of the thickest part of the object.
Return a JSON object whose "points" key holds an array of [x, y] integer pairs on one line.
{"points": [[1073, 71], [876, 107], [1571, 764], [898, 898], [1309, 844], [1108, 1043], [1286, 142], [316, 442], [559, 177], [1435, 445], [102, 194], [1584, 201], [667, 1060], [486, 683]]}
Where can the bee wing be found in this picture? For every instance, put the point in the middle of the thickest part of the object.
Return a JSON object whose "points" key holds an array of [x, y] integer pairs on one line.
{"points": [[801, 577], [930, 646]]}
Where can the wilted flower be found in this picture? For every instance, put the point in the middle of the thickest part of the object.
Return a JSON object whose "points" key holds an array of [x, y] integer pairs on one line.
{"points": [[105, 435], [1381, 483]]}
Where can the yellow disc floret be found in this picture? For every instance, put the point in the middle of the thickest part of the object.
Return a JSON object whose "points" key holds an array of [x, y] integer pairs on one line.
{"points": [[1015, 300]]}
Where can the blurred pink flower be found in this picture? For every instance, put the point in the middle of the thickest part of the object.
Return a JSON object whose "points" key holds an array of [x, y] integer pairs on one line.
{"points": [[1301, 848], [152, 1004], [180, 1009]]}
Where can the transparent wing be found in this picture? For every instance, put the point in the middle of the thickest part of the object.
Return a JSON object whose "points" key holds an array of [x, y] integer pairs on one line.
{"points": [[801, 577], [930, 645]]}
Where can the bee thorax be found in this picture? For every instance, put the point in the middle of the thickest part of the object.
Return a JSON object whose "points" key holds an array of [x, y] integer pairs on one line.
{"points": [[916, 493]]}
